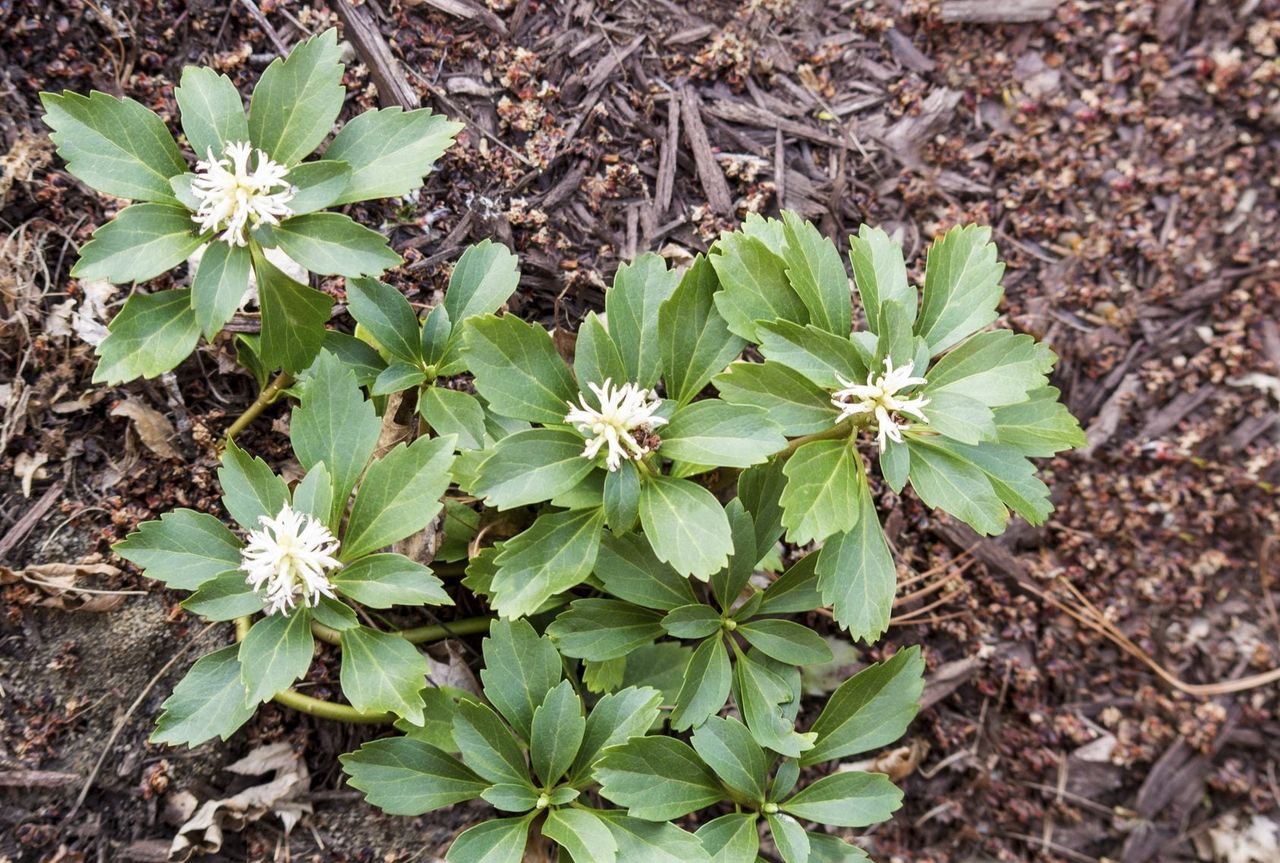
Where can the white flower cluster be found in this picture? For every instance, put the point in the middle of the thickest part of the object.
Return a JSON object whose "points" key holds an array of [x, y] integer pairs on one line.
{"points": [[879, 396], [233, 198], [623, 411], [289, 559]]}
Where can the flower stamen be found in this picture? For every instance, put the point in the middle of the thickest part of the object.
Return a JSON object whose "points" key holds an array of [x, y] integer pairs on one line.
{"points": [[623, 422], [289, 559], [880, 397], [234, 198]]}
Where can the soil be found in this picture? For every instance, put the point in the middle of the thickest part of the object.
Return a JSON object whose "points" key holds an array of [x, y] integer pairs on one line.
{"points": [[1127, 156]]}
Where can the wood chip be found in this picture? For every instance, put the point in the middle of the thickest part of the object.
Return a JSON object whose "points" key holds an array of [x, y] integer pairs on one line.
{"points": [[997, 11], [751, 115], [709, 173], [362, 30]]}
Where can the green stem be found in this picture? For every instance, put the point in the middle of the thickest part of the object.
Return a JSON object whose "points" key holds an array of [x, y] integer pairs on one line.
{"points": [[344, 712], [265, 398]]}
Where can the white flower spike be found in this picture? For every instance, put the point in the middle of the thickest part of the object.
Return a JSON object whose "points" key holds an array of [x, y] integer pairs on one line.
{"points": [[623, 411], [879, 397], [289, 559], [233, 198]]}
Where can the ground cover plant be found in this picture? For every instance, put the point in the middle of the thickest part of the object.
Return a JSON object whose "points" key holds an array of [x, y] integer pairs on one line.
{"points": [[650, 523]]}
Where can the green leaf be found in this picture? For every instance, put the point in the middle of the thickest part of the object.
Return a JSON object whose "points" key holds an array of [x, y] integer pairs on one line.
{"points": [[631, 305], [511, 798], [1041, 426], [224, 597], [754, 284], [276, 652], [501, 840], [250, 489], [596, 358], [455, 413], [954, 485], [728, 748], [297, 99], [830, 849], [792, 400], [384, 580], [961, 287], [209, 702], [846, 799], [692, 621], [705, 687], [356, 355], [556, 553], [382, 672], [396, 377], [869, 710], [995, 368], [768, 696], [796, 591], [790, 837], [482, 281], [403, 776], [438, 342], [114, 145], [317, 184], [759, 490], [517, 369], [334, 424], [603, 629], [821, 357], [857, 576], [334, 244], [653, 843], [895, 341], [488, 746], [786, 641], [657, 779], [685, 525], [212, 113], [960, 418], [184, 549], [817, 275], [532, 466], [824, 485], [631, 571], [695, 341], [140, 243], [582, 834], [615, 719], [880, 274], [390, 151], [387, 315], [293, 318], [556, 733], [731, 838], [219, 286], [713, 432], [895, 464], [399, 495], [519, 668], [1011, 476], [622, 497], [335, 614]]}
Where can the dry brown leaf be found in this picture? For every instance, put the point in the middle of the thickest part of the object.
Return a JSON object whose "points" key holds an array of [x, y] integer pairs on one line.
{"points": [[203, 832], [27, 467], [61, 582], [153, 428]]}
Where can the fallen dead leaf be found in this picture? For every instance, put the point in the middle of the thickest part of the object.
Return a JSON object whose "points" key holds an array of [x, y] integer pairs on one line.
{"points": [[60, 581], [27, 467], [153, 428], [203, 832]]}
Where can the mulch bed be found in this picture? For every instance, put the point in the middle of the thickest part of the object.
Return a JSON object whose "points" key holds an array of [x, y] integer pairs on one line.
{"points": [[1127, 156]]}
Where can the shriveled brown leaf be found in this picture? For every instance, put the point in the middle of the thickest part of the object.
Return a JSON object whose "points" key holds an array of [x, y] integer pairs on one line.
{"points": [[153, 428]]}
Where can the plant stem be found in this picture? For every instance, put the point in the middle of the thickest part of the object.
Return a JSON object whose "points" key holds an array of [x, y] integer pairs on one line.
{"points": [[265, 398], [330, 709], [417, 635]]}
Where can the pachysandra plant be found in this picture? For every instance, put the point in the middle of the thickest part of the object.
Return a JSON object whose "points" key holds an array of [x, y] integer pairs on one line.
{"points": [[654, 521], [307, 556], [251, 189]]}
